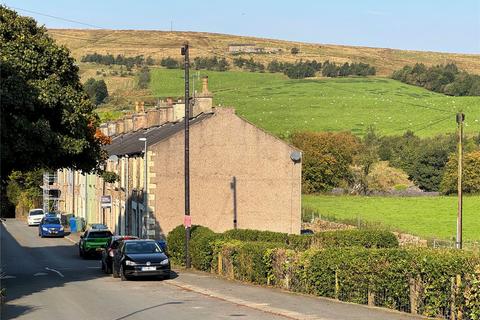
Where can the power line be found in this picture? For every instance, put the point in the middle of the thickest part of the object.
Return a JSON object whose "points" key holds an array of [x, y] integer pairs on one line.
{"points": [[58, 18]]}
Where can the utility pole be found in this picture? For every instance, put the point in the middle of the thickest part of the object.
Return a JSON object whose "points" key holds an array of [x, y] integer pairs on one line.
{"points": [[460, 120], [187, 218]]}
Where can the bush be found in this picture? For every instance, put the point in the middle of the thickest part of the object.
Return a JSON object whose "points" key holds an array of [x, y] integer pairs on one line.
{"points": [[201, 249], [471, 174], [341, 238], [255, 235], [200, 246]]}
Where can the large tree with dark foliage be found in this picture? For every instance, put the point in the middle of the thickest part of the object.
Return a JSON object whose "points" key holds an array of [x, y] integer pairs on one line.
{"points": [[47, 120]]}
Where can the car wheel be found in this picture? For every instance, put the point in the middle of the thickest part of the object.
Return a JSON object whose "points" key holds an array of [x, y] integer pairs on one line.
{"points": [[80, 252], [103, 267], [114, 272], [122, 274]]}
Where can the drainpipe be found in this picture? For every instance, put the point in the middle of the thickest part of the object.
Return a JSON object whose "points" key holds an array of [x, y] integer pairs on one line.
{"points": [[127, 202]]}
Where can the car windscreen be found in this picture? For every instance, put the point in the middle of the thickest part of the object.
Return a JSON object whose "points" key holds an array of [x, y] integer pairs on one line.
{"points": [[36, 213], [51, 221], [142, 247], [99, 234]]}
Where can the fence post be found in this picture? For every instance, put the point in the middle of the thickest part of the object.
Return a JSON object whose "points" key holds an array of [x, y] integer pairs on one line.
{"points": [[413, 296], [457, 292], [220, 263], [371, 298], [337, 286]]}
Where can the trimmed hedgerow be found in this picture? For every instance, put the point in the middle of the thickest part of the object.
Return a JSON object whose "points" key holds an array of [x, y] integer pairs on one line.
{"points": [[350, 265], [200, 247], [341, 238]]}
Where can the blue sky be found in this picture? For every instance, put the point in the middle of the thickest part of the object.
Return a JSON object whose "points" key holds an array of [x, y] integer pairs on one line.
{"points": [[432, 25]]}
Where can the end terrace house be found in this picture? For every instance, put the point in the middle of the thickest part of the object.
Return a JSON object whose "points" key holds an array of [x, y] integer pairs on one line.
{"points": [[240, 176]]}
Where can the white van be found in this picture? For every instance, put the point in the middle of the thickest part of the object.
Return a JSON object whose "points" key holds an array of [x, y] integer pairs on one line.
{"points": [[34, 217]]}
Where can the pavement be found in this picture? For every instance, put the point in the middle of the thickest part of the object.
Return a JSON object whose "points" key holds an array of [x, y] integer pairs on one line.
{"points": [[45, 278]]}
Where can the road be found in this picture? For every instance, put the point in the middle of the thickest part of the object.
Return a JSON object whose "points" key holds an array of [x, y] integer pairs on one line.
{"points": [[46, 279]]}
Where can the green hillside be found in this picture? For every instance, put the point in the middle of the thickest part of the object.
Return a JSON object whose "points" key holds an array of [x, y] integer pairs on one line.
{"points": [[281, 105], [428, 217]]}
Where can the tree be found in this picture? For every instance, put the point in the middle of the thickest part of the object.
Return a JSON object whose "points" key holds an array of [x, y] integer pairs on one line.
{"points": [[327, 159], [295, 51], [144, 78], [471, 174], [47, 120], [96, 90]]}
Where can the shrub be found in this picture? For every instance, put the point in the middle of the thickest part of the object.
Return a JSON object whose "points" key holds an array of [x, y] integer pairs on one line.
{"points": [[201, 249], [342, 238], [200, 246], [255, 235]]}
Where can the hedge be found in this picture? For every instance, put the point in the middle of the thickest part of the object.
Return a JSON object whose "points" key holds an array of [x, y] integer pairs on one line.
{"points": [[380, 277], [359, 266], [200, 246], [342, 238]]}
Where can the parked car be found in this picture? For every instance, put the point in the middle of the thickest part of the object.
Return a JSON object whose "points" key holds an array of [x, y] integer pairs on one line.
{"points": [[110, 249], [93, 242], [50, 227], [98, 226], [35, 216], [140, 258]]}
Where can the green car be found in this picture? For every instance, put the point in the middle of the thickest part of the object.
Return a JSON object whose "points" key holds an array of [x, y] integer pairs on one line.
{"points": [[93, 242]]}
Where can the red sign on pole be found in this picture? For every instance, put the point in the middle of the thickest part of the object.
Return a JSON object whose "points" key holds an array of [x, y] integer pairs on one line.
{"points": [[187, 221]]}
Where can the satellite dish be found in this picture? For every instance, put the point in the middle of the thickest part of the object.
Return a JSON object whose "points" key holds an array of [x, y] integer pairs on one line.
{"points": [[296, 156], [113, 158]]}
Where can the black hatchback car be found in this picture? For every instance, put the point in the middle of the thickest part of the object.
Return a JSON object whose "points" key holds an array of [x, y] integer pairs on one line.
{"points": [[140, 258]]}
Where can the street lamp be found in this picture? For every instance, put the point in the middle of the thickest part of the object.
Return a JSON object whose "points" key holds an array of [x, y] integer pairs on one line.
{"points": [[145, 194]]}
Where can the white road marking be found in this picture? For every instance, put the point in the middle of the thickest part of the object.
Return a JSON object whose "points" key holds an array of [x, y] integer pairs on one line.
{"points": [[40, 274], [56, 271], [93, 267], [7, 277]]}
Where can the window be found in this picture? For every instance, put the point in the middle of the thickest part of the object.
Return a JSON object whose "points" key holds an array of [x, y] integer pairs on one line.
{"points": [[143, 247], [99, 234], [36, 213], [51, 221]]}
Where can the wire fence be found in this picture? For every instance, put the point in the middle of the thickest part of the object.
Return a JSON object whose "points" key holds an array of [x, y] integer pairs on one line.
{"points": [[312, 215]]}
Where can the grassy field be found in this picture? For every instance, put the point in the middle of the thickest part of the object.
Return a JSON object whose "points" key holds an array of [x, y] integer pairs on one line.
{"points": [[428, 217], [159, 44], [282, 106]]}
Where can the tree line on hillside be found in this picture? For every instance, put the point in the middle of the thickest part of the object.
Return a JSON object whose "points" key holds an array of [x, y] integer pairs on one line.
{"points": [[297, 70], [199, 63], [342, 160], [447, 79], [109, 59]]}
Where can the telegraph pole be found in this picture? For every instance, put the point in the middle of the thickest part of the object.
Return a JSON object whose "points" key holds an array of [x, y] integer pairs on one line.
{"points": [[460, 120], [187, 218]]}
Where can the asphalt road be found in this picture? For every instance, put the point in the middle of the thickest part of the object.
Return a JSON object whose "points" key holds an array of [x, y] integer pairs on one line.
{"points": [[46, 279]]}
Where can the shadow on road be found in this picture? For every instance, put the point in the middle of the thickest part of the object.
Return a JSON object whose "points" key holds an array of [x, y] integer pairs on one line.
{"points": [[30, 270]]}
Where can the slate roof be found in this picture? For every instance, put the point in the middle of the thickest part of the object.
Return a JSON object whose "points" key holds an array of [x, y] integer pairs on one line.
{"points": [[128, 143]]}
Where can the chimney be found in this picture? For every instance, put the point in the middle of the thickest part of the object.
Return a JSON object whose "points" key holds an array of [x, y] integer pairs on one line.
{"points": [[104, 128], [163, 115], [139, 121], [139, 106], [128, 121], [203, 101], [111, 128], [205, 91], [154, 118], [120, 126], [170, 114]]}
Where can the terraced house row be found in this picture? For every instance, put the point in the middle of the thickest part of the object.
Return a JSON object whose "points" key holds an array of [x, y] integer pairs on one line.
{"points": [[240, 176]]}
